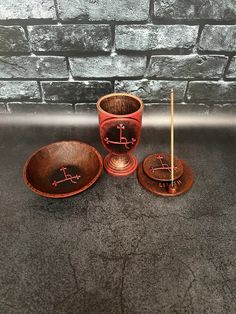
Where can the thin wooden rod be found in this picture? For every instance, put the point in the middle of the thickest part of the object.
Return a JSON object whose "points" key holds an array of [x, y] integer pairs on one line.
{"points": [[172, 136]]}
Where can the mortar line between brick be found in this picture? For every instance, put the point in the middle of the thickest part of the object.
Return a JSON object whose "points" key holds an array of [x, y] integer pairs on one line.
{"points": [[127, 53], [186, 91], [26, 32], [70, 75], [217, 53], [27, 38], [227, 67], [56, 10], [133, 53], [113, 39], [27, 22], [46, 79], [147, 64], [41, 22], [106, 79], [62, 53], [200, 30], [51, 22], [192, 22], [151, 11], [41, 92]]}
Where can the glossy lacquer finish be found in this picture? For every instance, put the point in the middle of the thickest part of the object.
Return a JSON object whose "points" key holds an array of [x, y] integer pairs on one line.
{"points": [[62, 169], [120, 121], [154, 174]]}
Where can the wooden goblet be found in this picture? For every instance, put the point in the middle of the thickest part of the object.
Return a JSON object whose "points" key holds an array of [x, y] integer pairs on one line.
{"points": [[120, 120]]}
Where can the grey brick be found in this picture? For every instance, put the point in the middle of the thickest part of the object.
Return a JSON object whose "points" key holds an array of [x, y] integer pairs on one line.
{"points": [[195, 9], [104, 10], [19, 90], [218, 38], [13, 40], [231, 73], [102, 66], [60, 38], [27, 9], [155, 37], [211, 91], [189, 66], [150, 90], [3, 108], [33, 67], [79, 91], [34, 108]]}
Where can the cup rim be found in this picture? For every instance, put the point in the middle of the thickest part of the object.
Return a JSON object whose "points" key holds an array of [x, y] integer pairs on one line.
{"points": [[99, 108]]}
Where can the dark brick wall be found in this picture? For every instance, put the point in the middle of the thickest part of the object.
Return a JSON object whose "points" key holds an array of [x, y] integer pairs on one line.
{"points": [[59, 55]]}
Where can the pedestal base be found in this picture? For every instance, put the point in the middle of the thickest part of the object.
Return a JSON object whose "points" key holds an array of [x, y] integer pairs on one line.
{"points": [[123, 165]]}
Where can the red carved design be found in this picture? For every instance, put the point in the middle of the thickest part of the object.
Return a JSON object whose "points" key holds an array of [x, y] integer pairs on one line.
{"points": [[67, 177], [163, 166], [123, 139]]}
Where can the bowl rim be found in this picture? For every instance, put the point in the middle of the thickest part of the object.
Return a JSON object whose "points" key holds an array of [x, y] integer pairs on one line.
{"points": [[62, 195], [99, 108]]}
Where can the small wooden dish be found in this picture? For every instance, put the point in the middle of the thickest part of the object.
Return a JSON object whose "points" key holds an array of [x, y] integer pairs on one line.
{"points": [[154, 175], [62, 169]]}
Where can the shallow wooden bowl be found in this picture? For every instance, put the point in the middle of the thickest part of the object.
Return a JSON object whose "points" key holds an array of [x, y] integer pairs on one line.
{"points": [[62, 169]]}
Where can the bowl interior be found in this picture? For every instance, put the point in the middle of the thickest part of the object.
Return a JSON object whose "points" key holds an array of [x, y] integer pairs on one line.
{"points": [[120, 104], [63, 167]]}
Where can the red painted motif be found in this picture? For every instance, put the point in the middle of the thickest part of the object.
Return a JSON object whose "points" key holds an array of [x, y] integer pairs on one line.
{"points": [[123, 139], [67, 177], [164, 166]]}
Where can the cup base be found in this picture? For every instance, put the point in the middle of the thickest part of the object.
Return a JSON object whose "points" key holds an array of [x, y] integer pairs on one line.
{"points": [[123, 165]]}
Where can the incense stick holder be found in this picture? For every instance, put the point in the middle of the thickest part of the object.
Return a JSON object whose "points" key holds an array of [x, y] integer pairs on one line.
{"points": [[120, 120], [154, 174]]}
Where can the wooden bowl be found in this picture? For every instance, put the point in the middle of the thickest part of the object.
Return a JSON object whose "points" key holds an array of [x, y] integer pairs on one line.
{"points": [[62, 169]]}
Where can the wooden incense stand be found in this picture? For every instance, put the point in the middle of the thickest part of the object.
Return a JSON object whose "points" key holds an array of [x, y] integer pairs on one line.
{"points": [[154, 174], [164, 174]]}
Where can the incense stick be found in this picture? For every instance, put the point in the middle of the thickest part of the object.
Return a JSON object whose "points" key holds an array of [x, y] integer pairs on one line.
{"points": [[172, 137]]}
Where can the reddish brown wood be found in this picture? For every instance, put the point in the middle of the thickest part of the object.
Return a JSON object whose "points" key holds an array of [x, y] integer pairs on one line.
{"points": [[157, 167], [62, 169], [163, 187], [120, 118]]}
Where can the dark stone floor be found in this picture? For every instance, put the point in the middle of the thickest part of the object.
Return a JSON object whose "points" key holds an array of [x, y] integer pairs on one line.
{"points": [[117, 248]]}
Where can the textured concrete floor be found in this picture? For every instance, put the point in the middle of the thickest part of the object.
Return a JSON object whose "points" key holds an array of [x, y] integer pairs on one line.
{"points": [[116, 248]]}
